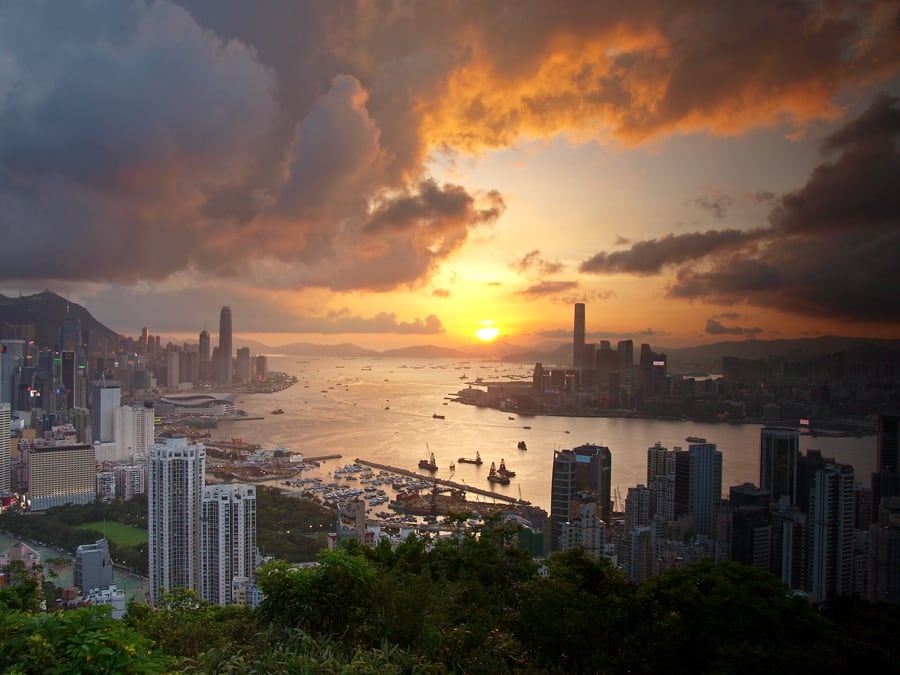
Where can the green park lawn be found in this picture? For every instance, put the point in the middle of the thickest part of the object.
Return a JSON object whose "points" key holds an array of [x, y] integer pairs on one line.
{"points": [[119, 534]]}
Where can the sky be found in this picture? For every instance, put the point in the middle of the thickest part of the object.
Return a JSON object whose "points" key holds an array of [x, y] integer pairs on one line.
{"points": [[403, 173]]}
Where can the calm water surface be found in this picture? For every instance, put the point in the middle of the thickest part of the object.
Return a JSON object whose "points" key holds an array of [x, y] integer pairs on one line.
{"points": [[381, 410]]}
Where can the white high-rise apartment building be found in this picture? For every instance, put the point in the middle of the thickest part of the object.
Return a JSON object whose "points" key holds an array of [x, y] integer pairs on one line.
{"points": [[5, 419], [134, 431], [106, 396], [174, 506], [228, 548]]}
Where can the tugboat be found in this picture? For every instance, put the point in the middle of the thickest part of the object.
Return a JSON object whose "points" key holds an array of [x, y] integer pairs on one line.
{"points": [[495, 477], [277, 411], [521, 445], [469, 460], [437, 417], [503, 471], [428, 464]]}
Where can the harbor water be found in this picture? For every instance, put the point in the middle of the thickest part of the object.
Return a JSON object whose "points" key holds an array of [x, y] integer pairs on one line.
{"points": [[396, 412]]}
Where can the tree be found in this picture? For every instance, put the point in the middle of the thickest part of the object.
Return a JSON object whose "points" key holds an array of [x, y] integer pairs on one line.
{"points": [[718, 617], [84, 640]]}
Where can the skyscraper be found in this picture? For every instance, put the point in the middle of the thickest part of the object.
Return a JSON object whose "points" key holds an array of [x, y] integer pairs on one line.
{"points": [[578, 344], [205, 353], [886, 441], [174, 504], [830, 531], [228, 548], [626, 371], [585, 469], [5, 420], [698, 484], [779, 451], [225, 350], [106, 396]]}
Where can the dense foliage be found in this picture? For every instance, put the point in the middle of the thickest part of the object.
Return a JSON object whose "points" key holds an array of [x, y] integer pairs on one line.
{"points": [[473, 604]]}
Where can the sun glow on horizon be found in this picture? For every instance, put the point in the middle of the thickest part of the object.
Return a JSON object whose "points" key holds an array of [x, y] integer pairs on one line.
{"points": [[487, 332]]}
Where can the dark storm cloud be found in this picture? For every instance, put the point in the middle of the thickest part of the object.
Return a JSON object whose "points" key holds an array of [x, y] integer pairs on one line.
{"points": [[651, 256], [714, 327], [831, 249], [288, 140]]}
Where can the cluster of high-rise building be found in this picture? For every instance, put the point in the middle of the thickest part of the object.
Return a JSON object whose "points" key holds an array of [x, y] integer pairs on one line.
{"points": [[810, 521], [67, 437]]}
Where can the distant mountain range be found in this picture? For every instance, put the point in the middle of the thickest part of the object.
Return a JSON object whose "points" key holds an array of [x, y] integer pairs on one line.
{"points": [[47, 310]]}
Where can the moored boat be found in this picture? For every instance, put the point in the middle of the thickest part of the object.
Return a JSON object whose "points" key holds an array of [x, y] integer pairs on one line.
{"points": [[428, 464], [469, 460], [495, 477], [503, 471]]}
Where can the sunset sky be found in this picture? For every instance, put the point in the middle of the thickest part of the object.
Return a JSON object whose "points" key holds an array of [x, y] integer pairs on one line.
{"points": [[399, 173]]}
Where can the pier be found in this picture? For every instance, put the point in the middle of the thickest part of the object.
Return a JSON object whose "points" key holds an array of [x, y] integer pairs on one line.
{"points": [[446, 483]]}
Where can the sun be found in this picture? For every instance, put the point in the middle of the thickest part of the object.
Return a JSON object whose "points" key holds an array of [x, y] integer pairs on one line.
{"points": [[487, 332]]}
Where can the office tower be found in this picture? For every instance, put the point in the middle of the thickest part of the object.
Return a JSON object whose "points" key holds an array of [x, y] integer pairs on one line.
{"points": [[145, 340], [637, 508], [830, 533], [224, 354], [60, 474], [262, 367], [779, 450], [625, 350], [93, 567], [106, 397], [205, 354], [12, 362], [886, 478], [582, 474], [886, 443], [698, 484], [883, 572], [228, 548], [5, 444], [173, 369], [660, 462], [174, 506], [578, 343], [242, 365]]}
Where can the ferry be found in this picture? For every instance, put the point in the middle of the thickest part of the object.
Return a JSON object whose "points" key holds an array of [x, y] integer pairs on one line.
{"points": [[695, 439], [438, 417]]}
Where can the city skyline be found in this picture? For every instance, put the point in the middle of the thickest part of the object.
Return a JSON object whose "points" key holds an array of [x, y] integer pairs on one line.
{"points": [[395, 174]]}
